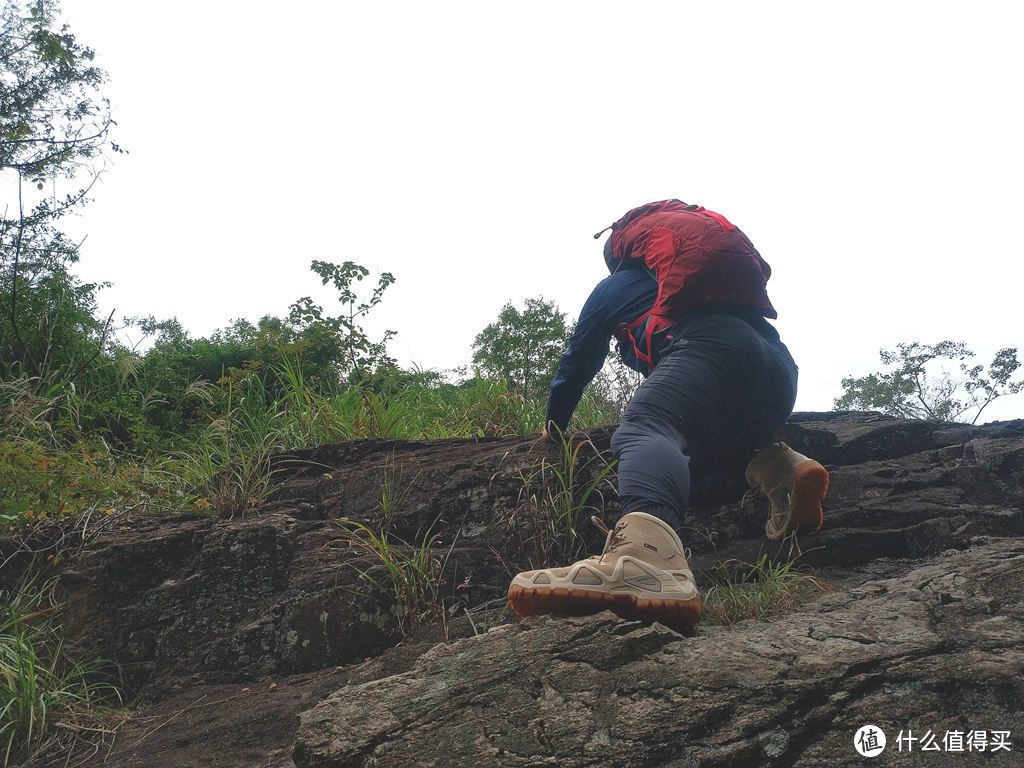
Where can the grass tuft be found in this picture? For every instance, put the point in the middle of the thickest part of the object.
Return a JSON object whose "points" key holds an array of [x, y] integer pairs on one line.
{"points": [[412, 577], [741, 591], [394, 487], [557, 497], [41, 686]]}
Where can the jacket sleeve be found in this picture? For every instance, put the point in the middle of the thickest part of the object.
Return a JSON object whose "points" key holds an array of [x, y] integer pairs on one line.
{"points": [[581, 362]]}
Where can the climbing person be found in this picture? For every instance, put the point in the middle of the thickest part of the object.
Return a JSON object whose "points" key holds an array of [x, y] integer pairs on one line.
{"points": [[686, 301]]}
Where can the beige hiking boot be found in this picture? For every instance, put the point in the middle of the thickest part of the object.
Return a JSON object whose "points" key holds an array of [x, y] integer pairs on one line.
{"points": [[794, 485], [642, 573]]}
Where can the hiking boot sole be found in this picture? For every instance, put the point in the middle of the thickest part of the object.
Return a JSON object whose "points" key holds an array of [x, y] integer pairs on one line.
{"points": [[680, 615], [808, 491]]}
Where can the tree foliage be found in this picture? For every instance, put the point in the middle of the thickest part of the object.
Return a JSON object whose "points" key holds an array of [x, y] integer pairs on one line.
{"points": [[523, 347], [54, 129], [52, 120], [917, 386]]}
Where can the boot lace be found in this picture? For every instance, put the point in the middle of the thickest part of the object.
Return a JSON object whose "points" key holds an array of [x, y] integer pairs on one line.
{"points": [[749, 498], [778, 515], [613, 537]]}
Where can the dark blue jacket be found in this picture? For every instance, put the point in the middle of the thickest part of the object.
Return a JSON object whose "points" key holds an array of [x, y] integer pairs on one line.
{"points": [[620, 298]]}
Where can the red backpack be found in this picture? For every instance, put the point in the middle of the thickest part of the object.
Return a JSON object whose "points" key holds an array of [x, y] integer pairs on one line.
{"points": [[699, 258]]}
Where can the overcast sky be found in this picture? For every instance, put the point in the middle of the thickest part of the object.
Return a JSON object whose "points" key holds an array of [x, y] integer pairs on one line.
{"points": [[871, 151]]}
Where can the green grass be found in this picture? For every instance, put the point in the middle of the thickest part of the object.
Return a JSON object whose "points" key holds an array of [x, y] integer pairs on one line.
{"points": [[40, 684], [41, 481], [413, 577], [228, 467], [394, 487], [220, 460], [558, 497], [741, 591]]}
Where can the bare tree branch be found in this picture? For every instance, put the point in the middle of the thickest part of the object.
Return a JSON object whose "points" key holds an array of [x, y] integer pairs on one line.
{"points": [[99, 348]]}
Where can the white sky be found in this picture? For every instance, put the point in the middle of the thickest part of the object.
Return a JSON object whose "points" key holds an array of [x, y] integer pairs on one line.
{"points": [[871, 151]]}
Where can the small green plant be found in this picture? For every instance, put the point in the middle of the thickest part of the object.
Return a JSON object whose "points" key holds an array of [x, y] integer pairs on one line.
{"points": [[377, 418], [742, 591], [412, 576], [556, 498], [40, 684], [485, 616], [394, 487], [232, 486]]}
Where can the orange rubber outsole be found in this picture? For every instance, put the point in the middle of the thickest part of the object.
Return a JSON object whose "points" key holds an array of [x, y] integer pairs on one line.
{"points": [[680, 615], [809, 489]]}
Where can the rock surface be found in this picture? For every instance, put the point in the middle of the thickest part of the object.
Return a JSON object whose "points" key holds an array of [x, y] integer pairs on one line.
{"points": [[277, 593], [204, 610], [940, 648]]}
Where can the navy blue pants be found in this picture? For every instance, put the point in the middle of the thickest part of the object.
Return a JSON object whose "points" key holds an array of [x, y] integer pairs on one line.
{"points": [[721, 387]]}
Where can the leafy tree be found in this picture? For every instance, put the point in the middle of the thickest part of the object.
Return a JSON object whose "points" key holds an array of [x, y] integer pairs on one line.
{"points": [[340, 340], [915, 387], [523, 347], [54, 128]]}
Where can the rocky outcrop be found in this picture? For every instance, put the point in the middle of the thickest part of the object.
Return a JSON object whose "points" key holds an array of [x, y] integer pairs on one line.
{"points": [[278, 592], [195, 606], [899, 488], [940, 648]]}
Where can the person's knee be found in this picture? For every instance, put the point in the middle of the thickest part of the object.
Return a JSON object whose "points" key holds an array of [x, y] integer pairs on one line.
{"points": [[643, 434], [774, 402], [625, 436]]}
